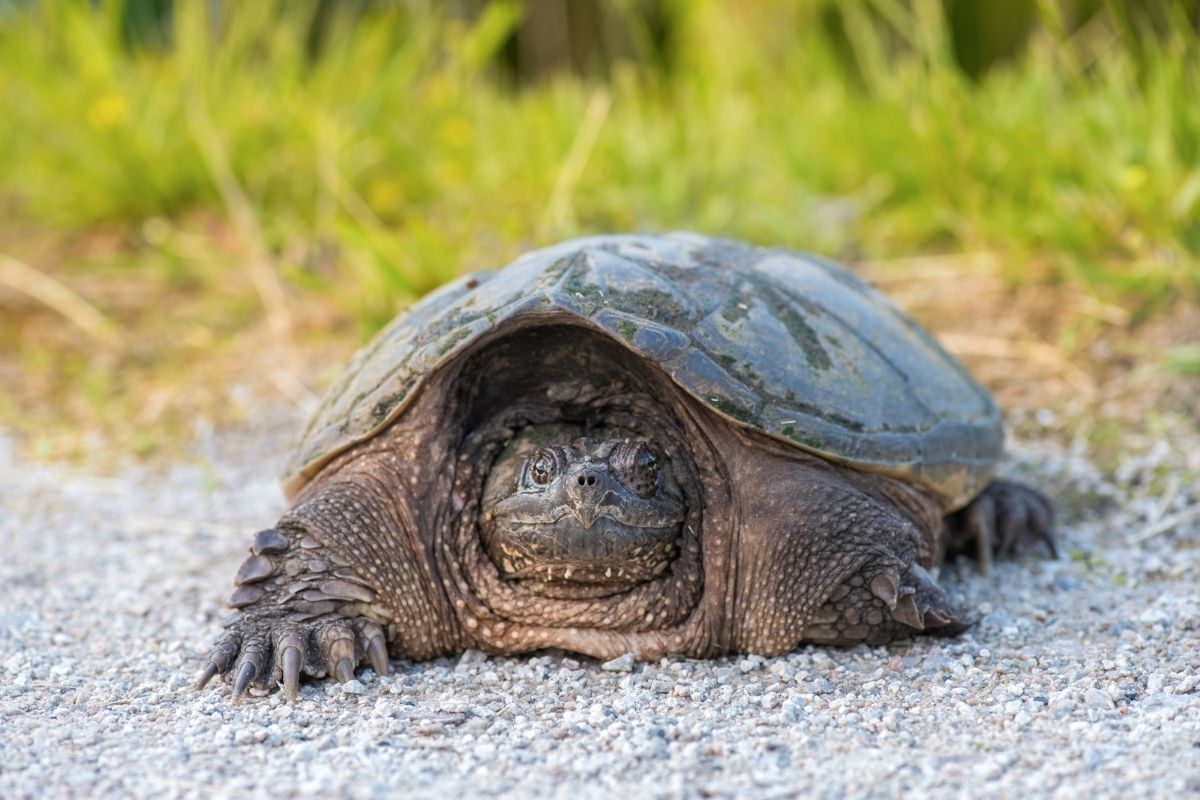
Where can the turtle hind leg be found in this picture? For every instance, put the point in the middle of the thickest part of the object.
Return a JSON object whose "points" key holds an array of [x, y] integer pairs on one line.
{"points": [[880, 606], [1004, 516]]}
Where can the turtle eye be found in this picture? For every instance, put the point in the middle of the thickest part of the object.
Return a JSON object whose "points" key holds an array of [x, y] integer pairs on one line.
{"points": [[645, 468], [638, 468], [541, 467]]}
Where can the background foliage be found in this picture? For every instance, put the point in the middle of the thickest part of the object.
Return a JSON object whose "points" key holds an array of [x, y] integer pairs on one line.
{"points": [[317, 165]]}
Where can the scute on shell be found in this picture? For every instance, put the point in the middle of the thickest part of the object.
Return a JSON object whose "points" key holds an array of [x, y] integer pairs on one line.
{"points": [[781, 342]]}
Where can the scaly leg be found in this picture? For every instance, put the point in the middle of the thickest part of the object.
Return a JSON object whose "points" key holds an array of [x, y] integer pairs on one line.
{"points": [[298, 611]]}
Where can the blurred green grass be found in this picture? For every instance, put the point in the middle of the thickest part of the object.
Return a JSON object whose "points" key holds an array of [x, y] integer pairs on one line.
{"points": [[374, 170]]}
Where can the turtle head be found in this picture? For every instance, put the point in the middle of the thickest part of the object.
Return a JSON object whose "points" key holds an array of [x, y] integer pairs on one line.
{"points": [[585, 510]]}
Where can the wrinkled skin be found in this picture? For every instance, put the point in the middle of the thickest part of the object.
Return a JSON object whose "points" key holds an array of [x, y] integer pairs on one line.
{"points": [[551, 489]]}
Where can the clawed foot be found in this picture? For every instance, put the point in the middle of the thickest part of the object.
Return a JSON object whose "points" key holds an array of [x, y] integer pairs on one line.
{"points": [[274, 652], [924, 606], [298, 615], [888, 605], [998, 520]]}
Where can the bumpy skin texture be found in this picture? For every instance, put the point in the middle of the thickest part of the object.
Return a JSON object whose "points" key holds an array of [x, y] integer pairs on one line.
{"points": [[382, 554]]}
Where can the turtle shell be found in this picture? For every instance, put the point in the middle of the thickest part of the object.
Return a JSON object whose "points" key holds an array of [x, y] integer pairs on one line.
{"points": [[787, 344]]}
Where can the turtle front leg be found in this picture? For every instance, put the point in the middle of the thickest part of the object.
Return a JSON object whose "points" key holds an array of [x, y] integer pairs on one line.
{"points": [[1003, 516], [297, 611], [340, 580]]}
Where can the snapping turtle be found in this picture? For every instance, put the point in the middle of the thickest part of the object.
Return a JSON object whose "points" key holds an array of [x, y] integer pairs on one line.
{"points": [[628, 444]]}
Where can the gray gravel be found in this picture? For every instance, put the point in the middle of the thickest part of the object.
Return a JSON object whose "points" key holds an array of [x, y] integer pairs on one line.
{"points": [[1080, 679]]}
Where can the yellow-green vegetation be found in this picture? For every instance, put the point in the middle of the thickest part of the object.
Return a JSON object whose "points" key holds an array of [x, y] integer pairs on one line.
{"points": [[231, 159]]}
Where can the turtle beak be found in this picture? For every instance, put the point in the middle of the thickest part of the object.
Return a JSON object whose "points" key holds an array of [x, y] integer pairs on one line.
{"points": [[586, 486]]}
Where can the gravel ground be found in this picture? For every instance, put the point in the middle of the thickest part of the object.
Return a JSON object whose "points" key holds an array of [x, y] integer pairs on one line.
{"points": [[1080, 679]]}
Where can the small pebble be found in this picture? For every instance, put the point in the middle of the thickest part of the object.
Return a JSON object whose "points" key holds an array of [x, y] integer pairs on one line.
{"points": [[471, 657], [1097, 699], [619, 664], [751, 663]]}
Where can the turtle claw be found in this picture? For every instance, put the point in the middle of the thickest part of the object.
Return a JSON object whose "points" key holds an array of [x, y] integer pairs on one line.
{"points": [[923, 605], [251, 665], [221, 658], [373, 643], [981, 517], [335, 640], [290, 663], [210, 671], [906, 611], [267, 653], [936, 619], [291, 642], [377, 653], [245, 675], [1039, 514]]}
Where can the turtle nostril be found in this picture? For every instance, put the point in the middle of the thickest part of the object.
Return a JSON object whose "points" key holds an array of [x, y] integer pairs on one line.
{"points": [[586, 479]]}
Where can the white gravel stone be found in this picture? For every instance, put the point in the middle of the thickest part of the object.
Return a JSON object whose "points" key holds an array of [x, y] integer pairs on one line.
{"points": [[619, 664], [1097, 698], [1079, 680]]}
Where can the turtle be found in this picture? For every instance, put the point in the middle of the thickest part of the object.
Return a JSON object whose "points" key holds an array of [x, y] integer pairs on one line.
{"points": [[656, 445]]}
